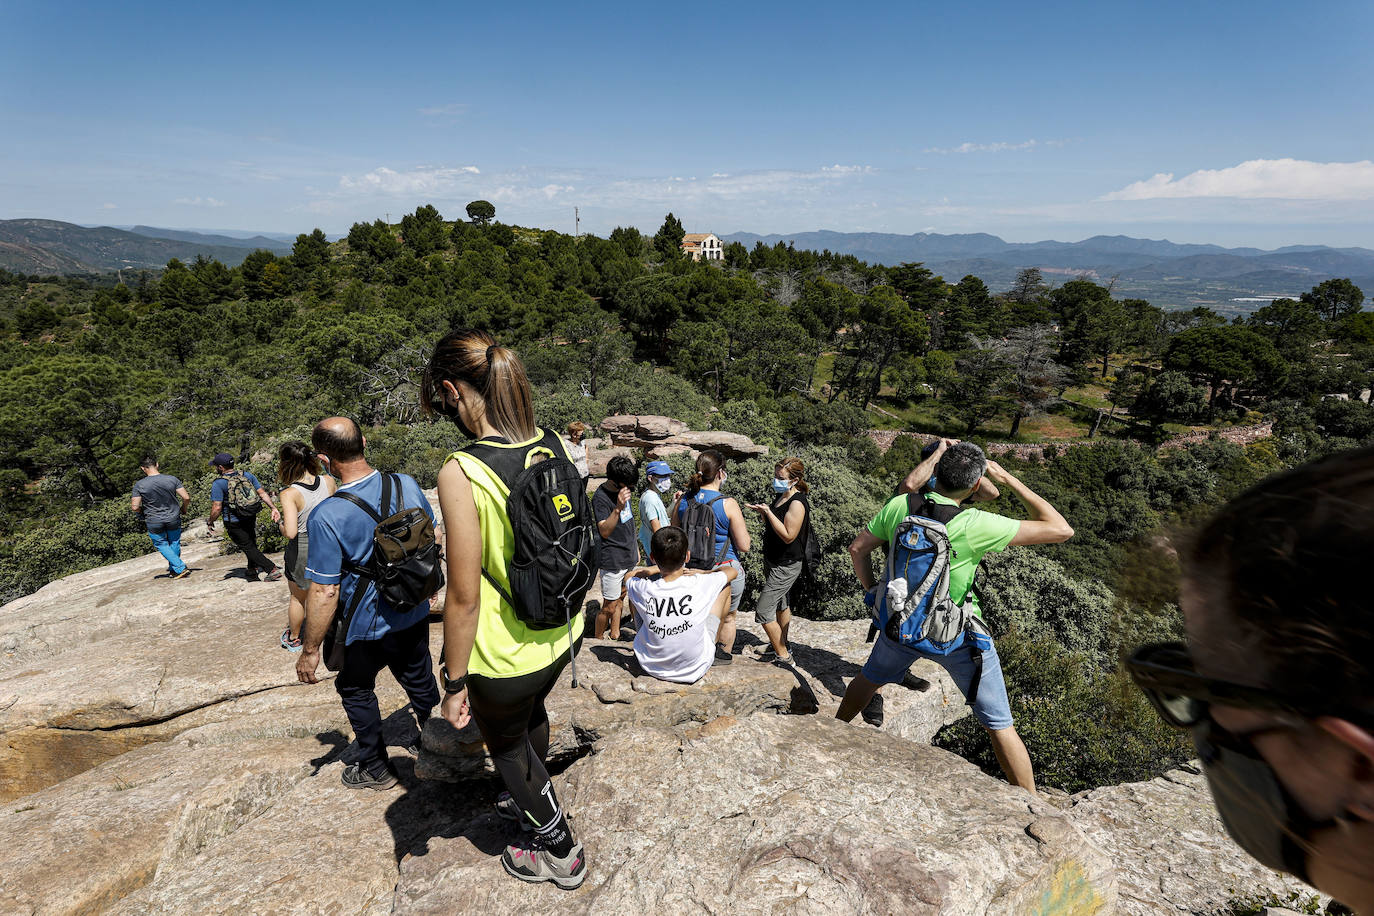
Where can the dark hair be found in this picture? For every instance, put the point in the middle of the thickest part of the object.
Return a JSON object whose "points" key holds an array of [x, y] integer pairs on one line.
{"points": [[960, 467], [344, 444], [622, 470], [295, 459], [148, 461], [496, 373], [796, 471], [1287, 559], [709, 465], [668, 548]]}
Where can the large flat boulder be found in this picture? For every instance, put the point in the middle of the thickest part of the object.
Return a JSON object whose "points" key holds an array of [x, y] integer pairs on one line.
{"points": [[731, 445], [776, 814], [1171, 852], [829, 653]]}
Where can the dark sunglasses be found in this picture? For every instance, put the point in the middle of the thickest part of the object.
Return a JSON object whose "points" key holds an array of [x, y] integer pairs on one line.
{"points": [[1181, 696]]}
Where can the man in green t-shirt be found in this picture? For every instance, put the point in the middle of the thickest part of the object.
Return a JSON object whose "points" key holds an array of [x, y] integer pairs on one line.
{"points": [[959, 469]]}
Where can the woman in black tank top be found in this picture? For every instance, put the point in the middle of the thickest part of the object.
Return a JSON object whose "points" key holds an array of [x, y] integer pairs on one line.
{"points": [[785, 521]]}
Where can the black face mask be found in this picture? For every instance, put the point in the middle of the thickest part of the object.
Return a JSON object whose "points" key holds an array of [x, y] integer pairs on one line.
{"points": [[443, 408], [1258, 812]]}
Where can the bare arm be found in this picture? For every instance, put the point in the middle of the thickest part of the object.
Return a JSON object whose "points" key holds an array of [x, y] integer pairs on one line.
{"points": [[789, 527], [463, 595], [290, 512], [860, 550], [739, 532], [136, 504], [216, 508], [185, 500], [1045, 525], [921, 474], [607, 525], [267, 498], [321, 603]]}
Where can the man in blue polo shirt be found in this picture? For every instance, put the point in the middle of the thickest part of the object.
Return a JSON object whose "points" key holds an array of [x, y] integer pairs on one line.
{"points": [[379, 636]]}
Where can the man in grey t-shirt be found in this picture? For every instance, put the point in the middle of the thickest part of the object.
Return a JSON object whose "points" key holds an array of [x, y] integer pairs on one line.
{"points": [[161, 499]]}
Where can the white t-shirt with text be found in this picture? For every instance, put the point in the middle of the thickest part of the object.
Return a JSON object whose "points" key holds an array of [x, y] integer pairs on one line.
{"points": [[674, 642]]}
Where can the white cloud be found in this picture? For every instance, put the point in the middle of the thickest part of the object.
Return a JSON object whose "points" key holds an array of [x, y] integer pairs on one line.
{"points": [[422, 180], [998, 147], [838, 169], [550, 191], [109, 207], [199, 202], [451, 110], [1288, 179]]}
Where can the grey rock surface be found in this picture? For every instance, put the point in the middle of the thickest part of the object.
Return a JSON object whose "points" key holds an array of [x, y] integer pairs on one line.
{"points": [[774, 814]]}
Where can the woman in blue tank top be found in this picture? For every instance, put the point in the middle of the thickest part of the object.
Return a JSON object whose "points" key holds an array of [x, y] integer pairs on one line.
{"points": [[731, 535]]}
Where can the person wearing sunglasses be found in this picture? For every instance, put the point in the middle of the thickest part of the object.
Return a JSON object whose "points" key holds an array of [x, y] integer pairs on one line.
{"points": [[1276, 683]]}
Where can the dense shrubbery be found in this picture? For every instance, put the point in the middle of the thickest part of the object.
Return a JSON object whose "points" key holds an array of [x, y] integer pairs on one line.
{"points": [[1084, 727]]}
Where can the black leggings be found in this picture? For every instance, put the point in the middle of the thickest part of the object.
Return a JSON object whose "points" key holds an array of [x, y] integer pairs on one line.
{"points": [[510, 713]]}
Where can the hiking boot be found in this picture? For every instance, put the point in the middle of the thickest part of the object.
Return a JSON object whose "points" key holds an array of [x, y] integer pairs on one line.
{"points": [[355, 777], [273, 576], [538, 864], [722, 657], [183, 574], [508, 809], [289, 644], [873, 712]]}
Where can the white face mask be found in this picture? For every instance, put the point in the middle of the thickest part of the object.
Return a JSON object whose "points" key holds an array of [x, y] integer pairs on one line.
{"points": [[781, 484], [664, 485]]}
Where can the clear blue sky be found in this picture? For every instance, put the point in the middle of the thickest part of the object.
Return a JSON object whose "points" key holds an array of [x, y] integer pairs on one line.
{"points": [[1241, 123]]}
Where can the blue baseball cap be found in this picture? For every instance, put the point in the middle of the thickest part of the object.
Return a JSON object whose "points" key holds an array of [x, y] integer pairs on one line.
{"points": [[659, 469]]}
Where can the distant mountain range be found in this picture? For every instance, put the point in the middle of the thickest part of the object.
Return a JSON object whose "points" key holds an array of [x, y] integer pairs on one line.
{"points": [[45, 246], [1163, 272]]}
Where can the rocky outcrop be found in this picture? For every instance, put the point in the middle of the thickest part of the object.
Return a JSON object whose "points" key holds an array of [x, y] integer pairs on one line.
{"points": [[781, 814], [1170, 850], [158, 756], [664, 436]]}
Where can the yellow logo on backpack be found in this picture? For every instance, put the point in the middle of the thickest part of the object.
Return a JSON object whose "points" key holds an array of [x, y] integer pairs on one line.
{"points": [[563, 506]]}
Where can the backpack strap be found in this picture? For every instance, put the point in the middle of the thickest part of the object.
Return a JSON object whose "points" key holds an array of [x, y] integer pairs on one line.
{"points": [[725, 545], [360, 569]]}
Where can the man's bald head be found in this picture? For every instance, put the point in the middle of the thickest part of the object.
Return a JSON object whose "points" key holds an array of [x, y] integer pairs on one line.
{"points": [[339, 438]]}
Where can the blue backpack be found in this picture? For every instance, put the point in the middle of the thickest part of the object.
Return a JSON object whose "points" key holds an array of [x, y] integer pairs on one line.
{"points": [[912, 606]]}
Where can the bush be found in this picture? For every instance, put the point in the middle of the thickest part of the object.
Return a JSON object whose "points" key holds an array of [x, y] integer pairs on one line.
{"points": [[1028, 591], [1083, 727]]}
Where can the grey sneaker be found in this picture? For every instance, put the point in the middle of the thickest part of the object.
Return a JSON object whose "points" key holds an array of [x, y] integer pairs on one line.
{"points": [[273, 576], [355, 777], [722, 657], [538, 864]]}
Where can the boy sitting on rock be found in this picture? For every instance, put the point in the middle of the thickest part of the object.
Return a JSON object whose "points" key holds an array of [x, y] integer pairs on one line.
{"points": [[679, 610]]}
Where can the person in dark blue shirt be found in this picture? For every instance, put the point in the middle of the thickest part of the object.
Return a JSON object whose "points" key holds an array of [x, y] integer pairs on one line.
{"points": [[240, 525], [379, 636]]}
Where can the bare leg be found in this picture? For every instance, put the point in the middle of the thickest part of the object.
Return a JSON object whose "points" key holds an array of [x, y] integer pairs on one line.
{"points": [[1011, 754], [856, 697], [608, 616], [295, 611], [726, 636], [785, 622], [775, 637]]}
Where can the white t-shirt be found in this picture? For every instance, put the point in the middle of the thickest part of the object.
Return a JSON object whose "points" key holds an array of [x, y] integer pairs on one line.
{"points": [[673, 642]]}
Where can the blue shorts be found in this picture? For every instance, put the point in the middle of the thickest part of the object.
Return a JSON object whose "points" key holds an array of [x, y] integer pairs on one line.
{"points": [[889, 661]]}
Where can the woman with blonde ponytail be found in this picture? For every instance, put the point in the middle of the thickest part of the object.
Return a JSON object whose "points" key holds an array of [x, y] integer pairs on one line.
{"points": [[731, 537], [497, 670], [785, 522]]}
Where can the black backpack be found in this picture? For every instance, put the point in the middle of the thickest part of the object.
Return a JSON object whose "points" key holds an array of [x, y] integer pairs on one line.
{"points": [[699, 524], [556, 548], [405, 564]]}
